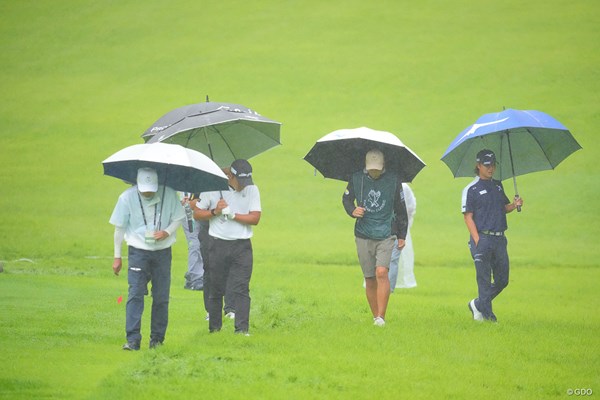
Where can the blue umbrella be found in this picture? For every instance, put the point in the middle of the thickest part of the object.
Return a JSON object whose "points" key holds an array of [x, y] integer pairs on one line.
{"points": [[524, 141]]}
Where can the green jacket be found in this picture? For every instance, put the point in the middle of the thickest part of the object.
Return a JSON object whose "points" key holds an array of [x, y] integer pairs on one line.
{"points": [[383, 200]]}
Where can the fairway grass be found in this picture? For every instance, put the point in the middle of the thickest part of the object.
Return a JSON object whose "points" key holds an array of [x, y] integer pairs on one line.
{"points": [[82, 80], [311, 337]]}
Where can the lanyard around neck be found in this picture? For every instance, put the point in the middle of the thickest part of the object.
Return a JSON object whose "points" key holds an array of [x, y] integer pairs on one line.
{"points": [[144, 214]]}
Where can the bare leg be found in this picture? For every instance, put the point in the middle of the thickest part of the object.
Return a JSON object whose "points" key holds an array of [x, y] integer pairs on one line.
{"points": [[383, 291], [371, 291]]}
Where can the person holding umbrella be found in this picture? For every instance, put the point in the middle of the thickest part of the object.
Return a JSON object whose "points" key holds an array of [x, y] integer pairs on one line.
{"points": [[148, 221], [374, 197], [484, 206], [231, 215]]}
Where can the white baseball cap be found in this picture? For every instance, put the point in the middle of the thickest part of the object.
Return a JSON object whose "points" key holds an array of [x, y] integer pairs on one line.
{"points": [[374, 160], [147, 180]]}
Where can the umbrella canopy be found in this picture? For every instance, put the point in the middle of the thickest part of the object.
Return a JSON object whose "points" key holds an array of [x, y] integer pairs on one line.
{"points": [[182, 169], [225, 132], [341, 153], [524, 141]]}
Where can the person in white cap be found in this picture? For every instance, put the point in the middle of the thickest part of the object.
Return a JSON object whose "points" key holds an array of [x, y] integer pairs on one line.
{"points": [[374, 197], [147, 216], [232, 214]]}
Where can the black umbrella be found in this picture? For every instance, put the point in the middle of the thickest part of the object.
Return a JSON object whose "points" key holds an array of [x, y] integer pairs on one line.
{"points": [[341, 153]]}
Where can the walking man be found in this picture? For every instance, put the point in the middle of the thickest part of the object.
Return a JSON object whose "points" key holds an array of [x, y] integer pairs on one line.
{"points": [[147, 216], [232, 214], [374, 197], [484, 206]]}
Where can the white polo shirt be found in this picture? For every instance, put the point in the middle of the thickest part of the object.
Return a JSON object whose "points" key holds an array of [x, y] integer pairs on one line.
{"points": [[240, 203]]}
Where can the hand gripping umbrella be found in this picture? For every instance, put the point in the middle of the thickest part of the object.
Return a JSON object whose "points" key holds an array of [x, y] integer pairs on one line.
{"points": [[341, 153], [524, 141], [223, 131]]}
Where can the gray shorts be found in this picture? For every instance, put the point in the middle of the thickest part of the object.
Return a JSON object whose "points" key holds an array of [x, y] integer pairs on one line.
{"points": [[374, 253]]}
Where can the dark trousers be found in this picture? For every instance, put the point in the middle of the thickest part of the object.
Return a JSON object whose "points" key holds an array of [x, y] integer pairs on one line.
{"points": [[205, 239], [230, 260], [148, 266], [204, 245], [491, 261]]}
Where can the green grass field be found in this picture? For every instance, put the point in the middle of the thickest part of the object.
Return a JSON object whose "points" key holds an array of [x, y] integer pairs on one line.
{"points": [[80, 81]]}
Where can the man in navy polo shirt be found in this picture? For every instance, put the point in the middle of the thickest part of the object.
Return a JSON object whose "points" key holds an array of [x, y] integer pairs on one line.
{"points": [[484, 206]]}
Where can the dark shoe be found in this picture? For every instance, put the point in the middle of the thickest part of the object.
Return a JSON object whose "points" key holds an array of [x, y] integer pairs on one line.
{"points": [[492, 318], [194, 286], [155, 343], [131, 346]]}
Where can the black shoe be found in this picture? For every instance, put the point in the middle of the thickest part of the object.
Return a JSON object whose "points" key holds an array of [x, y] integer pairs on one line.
{"points": [[131, 346], [193, 286], [154, 343], [493, 318]]}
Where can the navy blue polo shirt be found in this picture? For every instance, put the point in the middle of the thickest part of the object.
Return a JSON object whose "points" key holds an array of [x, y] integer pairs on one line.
{"points": [[486, 200]]}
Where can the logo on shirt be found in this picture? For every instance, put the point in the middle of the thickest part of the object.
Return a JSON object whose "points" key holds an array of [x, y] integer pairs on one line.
{"points": [[373, 200]]}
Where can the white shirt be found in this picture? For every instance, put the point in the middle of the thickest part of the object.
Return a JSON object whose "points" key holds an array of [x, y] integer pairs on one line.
{"points": [[240, 203], [128, 215]]}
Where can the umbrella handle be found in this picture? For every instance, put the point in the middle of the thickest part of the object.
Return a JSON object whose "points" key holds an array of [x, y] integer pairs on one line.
{"points": [[515, 183], [512, 166]]}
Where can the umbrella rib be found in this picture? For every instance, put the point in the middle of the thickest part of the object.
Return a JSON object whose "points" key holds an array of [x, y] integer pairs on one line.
{"points": [[189, 137], [541, 148], [174, 123], [462, 159], [210, 153], [224, 141]]}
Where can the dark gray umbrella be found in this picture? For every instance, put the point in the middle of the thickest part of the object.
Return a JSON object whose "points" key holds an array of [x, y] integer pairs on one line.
{"points": [[223, 131]]}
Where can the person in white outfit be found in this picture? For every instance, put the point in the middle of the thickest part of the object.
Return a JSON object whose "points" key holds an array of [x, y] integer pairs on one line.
{"points": [[402, 265]]}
